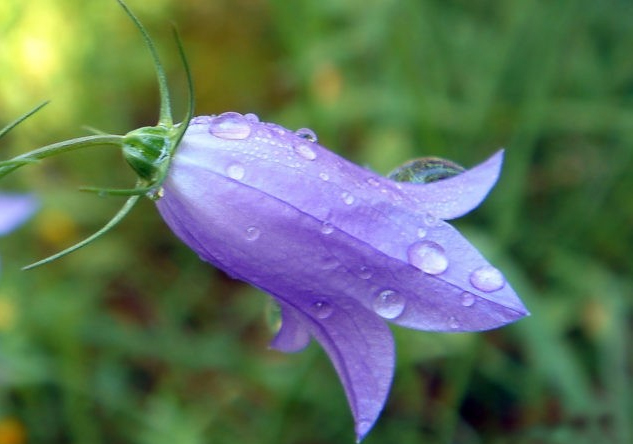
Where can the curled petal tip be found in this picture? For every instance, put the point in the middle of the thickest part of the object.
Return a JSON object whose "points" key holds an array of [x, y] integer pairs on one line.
{"points": [[453, 197]]}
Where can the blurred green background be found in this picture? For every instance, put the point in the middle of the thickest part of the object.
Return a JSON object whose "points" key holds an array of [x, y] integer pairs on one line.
{"points": [[134, 340]]}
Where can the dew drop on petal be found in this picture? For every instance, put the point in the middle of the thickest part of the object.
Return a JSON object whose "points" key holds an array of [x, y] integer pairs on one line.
{"points": [[252, 233], [254, 118], [487, 278], [235, 171], [453, 323], [364, 273], [327, 227], [421, 233], [322, 309], [347, 197], [467, 299], [307, 134], [430, 220], [388, 304], [373, 182], [230, 125], [324, 176], [305, 151], [428, 257]]}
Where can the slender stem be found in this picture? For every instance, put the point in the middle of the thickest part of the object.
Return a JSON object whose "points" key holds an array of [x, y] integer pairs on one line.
{"points": [[165, 117], [129, 204], [21, 119], [58, 148]]}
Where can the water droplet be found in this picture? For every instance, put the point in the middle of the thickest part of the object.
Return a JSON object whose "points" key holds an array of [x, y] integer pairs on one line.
{"points": [[425, 170], [347, 197], [307, 134], [156, 193], [468, 299], [430, 220], [230, 125], [254, 118], [235, 171], [373, 182], [487, 278], [252, 233], [324, 176], [364, 273], [388, 304], [327, 228], [305, 151], [453, 323], [421, 233], [322, 309], [428, 257]]}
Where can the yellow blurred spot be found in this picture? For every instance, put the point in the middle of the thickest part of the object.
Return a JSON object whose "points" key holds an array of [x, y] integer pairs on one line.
{"points": [[12, 431], [327, 83], [56, 228], [39, 57], [7, 314], [596, 317]]}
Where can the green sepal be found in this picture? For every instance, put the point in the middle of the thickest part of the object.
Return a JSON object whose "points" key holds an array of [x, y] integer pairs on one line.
{"points": [[147, 150]]}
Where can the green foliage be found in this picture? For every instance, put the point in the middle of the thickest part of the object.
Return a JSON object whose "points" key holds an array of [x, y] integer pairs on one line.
{"points": [[134, 340]]}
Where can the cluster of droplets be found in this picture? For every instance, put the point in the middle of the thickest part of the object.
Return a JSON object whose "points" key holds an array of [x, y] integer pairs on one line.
{"points": [[426, 255]]}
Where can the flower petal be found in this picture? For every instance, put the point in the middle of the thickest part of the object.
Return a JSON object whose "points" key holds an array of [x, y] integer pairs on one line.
{"points": [[361, 349], [15, 209], [457, 195], [292, 336]]}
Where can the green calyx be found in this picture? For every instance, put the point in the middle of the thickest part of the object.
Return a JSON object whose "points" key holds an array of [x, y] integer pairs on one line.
{"points": [[147, 150]]}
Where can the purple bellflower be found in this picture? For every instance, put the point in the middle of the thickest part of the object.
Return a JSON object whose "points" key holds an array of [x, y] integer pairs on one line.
{"points": [[341, 249]]}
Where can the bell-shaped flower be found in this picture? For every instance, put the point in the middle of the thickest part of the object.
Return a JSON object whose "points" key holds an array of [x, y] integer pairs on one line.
{"points": [[340, 248]]}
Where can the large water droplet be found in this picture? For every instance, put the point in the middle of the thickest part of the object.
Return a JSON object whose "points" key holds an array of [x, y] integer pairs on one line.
{"points": [[467, 299], [388, 304], [305, 151], [347, 197], [487, 278], [426, 170], [327, 228], [428, 257], [322, 309], [252, 233], [306, 133], [230, 126], [235, 171]]}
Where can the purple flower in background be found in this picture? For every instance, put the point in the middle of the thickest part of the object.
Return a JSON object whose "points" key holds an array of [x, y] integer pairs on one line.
{"points": [[15, 209], [341, 249]]}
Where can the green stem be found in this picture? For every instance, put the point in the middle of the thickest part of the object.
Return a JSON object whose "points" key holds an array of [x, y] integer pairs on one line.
{"points": [[129, 204], [58, 148]]}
